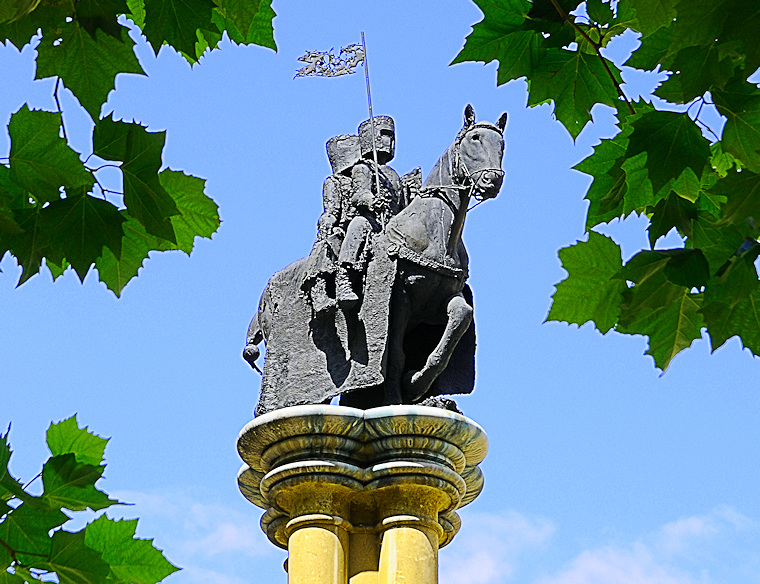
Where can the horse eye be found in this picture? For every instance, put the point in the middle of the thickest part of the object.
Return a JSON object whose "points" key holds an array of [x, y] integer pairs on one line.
{"points": [[476, 136]]}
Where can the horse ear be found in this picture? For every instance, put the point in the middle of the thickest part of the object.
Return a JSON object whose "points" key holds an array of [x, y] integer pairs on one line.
{"points": [[502, 123], [469, 116]]}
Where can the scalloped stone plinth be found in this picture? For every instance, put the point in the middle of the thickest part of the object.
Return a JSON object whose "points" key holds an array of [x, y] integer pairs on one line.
{"points": [[361, 496]]}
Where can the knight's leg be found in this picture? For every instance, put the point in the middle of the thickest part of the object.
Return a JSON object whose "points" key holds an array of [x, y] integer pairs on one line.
{"points": [[348, 259], [397, 325], [459, 318]]}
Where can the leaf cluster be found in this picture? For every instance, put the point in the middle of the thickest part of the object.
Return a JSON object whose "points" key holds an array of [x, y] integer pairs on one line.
{"points": [[667, 165], [33, 543], [53, 205]]}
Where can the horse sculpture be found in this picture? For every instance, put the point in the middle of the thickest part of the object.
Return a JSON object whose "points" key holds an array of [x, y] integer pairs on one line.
{"points": [[403, 345]]}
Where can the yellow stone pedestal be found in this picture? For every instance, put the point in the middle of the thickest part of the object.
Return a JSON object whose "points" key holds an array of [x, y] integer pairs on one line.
{"points": [[361, 497]]}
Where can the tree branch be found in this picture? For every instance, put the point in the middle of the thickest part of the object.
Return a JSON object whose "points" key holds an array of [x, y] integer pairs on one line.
{"points": [[597, 48], [55, 96]]}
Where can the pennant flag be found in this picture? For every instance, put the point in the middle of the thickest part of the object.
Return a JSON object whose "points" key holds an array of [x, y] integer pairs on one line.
{"points": [[328, 64]]}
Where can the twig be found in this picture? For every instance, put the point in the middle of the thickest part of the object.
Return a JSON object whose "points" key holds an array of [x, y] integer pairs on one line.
{"points": [[101, 166], [32, 480], [597, 47], [55, 96]]}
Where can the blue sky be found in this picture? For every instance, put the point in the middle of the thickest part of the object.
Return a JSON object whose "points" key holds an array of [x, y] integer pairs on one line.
{"points": [[599, 470]]}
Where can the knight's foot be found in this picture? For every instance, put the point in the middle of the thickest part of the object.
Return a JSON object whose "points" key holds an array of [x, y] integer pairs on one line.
{"points": [[324, 305], [348, 301]]}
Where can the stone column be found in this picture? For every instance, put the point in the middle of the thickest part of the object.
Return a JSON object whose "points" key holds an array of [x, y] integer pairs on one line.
{"points": [[361, 497]]}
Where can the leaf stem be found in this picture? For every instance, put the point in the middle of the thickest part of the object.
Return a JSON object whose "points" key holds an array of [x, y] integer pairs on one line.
{"points": [[57, 103], [32, 480], [597, 48]]}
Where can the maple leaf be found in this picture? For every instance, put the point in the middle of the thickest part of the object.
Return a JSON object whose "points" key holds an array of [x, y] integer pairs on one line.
{"points": [[40, 160], [79, 226], [503, 35], [175, 22], [131, 560], [672, 143], [590, 292], [140, 152], [732, 305], [742, 193], [87, 66], [66, 437], [660, 304], [94, 15], [246, 21], [740, 103], [575, 81]]}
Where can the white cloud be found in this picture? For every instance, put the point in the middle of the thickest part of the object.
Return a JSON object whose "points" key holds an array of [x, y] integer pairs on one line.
{"points": [[717, 547], [619, 566], [488, 547], [680, 536]]}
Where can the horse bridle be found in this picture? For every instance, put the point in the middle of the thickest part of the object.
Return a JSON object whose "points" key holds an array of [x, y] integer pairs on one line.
{"points": [[460, 165]]}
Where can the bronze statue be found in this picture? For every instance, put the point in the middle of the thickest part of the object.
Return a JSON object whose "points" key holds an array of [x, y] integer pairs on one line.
{"points": [[408, 336]]}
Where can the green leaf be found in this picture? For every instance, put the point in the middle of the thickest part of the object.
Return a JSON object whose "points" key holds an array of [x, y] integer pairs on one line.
{"points": [[672, 211], [652, 14], [659, 308], [732, 306], [73, 561], [504, 36], [132, 560], [16, 9], [742, 193], [116, 272], [718, 242], [696, 71], [590, 292], [41, 161], [607, 191], [175, 22], [722, 161], [71, 484], [94, 15], [575, 81], [87, 65], [672, 142], [198, 214], [9, 486], [78, 228], [31, 245], [137, 12], [8, 578], [66, 437], [47, 16], [740, 103], [246, 21], [688, 186], [26, 529], [599, 11], [144, 196]]}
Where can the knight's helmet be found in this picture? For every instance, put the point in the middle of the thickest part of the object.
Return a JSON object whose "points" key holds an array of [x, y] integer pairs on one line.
{"points": [[385, 148], [343, 152]]}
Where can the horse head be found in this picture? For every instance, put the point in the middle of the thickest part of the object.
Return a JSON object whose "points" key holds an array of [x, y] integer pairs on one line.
{"points": [[479, 149]]}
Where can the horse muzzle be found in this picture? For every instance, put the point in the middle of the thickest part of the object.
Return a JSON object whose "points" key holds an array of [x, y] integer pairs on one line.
{"points": [[487, 182]]}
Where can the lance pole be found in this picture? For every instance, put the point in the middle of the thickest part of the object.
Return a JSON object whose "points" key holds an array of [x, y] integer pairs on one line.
{"points": [[371, 117]]}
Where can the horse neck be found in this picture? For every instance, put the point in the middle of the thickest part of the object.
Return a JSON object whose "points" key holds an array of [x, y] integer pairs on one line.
{"points": [[441, 179]]}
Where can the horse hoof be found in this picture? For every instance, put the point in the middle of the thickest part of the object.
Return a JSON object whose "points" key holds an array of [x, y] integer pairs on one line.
{"points": [[409, 386]]}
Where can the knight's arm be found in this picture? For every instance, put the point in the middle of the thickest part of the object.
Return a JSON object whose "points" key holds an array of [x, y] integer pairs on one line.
{"points": [[361, 178], [332, 205]]}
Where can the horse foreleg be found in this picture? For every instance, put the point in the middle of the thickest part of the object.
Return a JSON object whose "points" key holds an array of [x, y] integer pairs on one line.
{"points": [[459, 314], [396, 358]]}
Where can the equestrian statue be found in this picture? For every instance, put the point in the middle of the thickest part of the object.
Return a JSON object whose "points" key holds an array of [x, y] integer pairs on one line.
{"points": [[380, 313]]}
